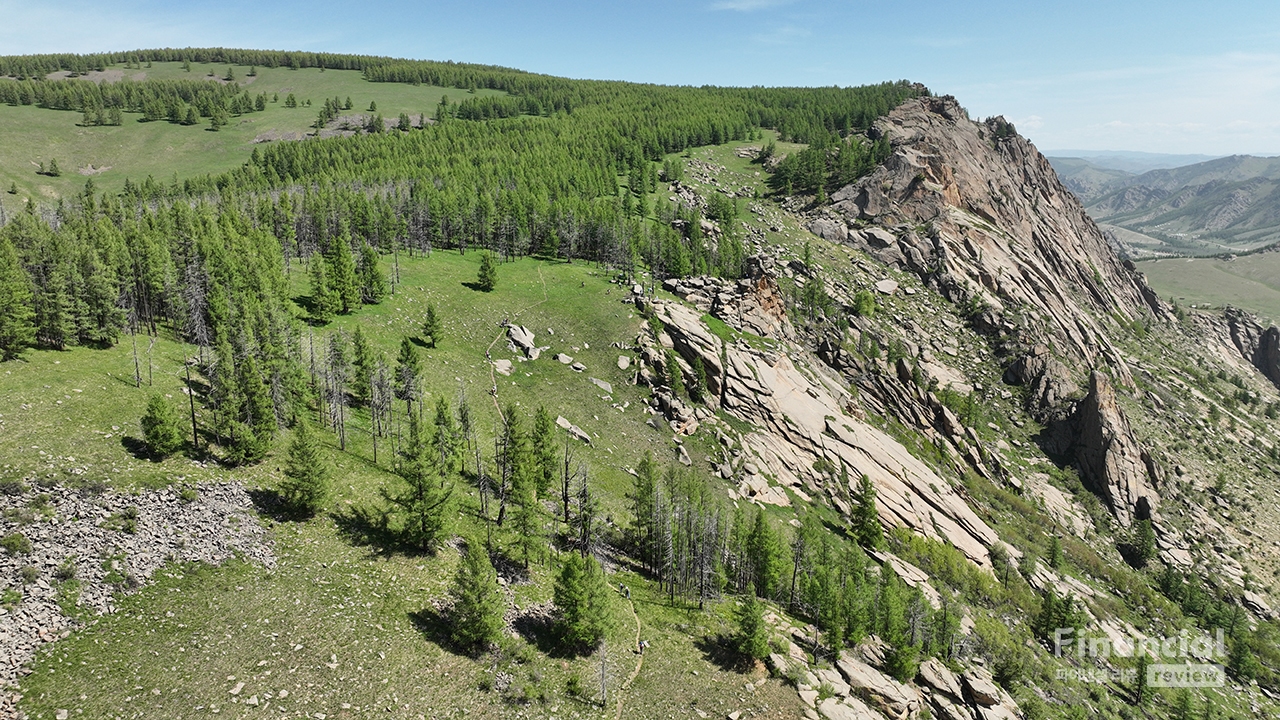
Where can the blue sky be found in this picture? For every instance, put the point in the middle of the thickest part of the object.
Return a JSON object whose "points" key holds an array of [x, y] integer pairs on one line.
{"points": [[1171, 76]]}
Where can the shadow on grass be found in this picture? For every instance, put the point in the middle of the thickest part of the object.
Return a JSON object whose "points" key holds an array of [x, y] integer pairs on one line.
{"points": [[540, 630], [363, 526], [474, 286], [270, 503], [721, 651], [136, 447], [437, 626]]}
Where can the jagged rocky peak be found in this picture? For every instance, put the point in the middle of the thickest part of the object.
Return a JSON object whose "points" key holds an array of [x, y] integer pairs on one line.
{"points": [[1258, 345], [976, 211]]}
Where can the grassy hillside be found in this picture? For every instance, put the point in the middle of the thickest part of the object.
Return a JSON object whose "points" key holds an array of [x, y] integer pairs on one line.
{"points": [[339, 592], [1251, 282], [30, 135]]}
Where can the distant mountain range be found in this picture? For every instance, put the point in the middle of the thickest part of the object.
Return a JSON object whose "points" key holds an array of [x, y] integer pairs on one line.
{"points": [[1226, 204]]}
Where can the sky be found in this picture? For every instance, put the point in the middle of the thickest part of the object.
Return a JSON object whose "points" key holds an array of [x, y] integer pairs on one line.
{"points": [[1167, 77]]}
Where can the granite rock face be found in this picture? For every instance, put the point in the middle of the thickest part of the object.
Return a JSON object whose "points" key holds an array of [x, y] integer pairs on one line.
{"points": [[1258, 345], [976, 211], [1098, 438]]}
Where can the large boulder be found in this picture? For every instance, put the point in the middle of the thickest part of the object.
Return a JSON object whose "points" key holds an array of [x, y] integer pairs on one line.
{"points": [[1111, 461], [881, 691]]}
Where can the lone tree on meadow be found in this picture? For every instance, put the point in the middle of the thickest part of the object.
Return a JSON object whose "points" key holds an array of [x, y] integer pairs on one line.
{"points": [[431, 328], [424, 496], [477, 603], [753, 635], [306, 484], [488, 277], [160, 428], [582, 598]]}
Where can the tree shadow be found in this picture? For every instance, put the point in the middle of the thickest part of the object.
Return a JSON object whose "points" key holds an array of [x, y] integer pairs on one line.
{"points": [[136, 447], [363, 526], [540, 630], [721, 651], [437, 627], [474, 286], [270, 503], [508, 567]]}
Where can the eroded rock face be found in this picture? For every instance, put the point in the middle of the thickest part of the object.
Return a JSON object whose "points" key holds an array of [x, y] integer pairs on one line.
{"points": [[1259, 345], [803, 416], [980, 214], [1111, 461]]}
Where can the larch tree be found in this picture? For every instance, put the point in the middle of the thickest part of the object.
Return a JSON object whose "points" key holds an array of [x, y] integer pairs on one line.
{"points": [[582, 599], [478, 605], [424, 495], [487, 279], [17, 318], [432, 332], [306, 485], [161, 428]]}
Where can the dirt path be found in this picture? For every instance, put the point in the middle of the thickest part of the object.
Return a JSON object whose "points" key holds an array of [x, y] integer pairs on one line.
{"points": [[493, 378], [639, 663]]}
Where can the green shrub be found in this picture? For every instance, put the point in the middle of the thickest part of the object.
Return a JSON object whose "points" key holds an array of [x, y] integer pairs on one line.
{"points": [[15, 544]]}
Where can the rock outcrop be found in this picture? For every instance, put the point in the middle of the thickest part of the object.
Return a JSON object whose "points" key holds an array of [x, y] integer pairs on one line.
{"points": [[802, 415], [1112, 463], [1258, 345], [975, 210]]}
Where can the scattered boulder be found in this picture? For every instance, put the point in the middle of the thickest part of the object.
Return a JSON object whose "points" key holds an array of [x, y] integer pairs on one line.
{"points": [[502, 367], [572, 429], [624, 362], [887, 287], [605, 386], [564, 359], [522, 340]]}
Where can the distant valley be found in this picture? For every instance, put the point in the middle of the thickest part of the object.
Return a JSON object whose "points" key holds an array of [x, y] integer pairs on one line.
{"points": [[1222, 205]]}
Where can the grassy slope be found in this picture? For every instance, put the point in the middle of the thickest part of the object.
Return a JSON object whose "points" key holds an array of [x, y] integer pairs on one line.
{"points": [[31, 135], [1251, 282], [333, 593]]}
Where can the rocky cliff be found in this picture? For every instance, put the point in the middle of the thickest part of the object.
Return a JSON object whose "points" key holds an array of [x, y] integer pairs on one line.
{"points": [[977, 212], [1258, 345]]}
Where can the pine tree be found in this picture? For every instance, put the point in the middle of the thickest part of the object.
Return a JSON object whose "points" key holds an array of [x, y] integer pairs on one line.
{"points": [[583, 601], [53, 170], [373, 283], [753, 634], [161, 428], [426, 493], [487, 279], [342, 274], [544, 451], [431, 327], [865, 517], [324, 301], [17, 326], [306, 484], [363, 363], [478, 605]]}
